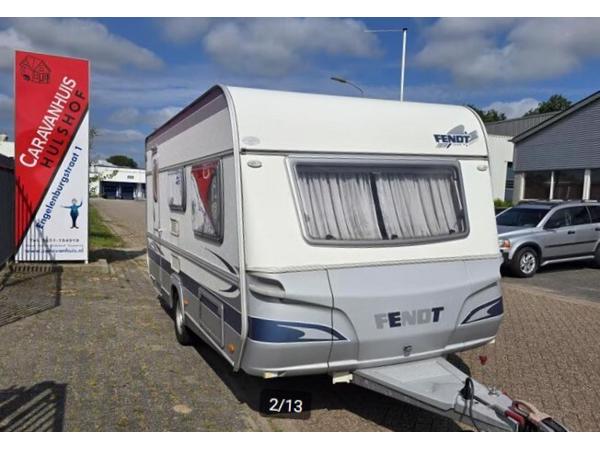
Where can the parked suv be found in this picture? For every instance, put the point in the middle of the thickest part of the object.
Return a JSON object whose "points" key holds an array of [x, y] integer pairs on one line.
{"points": [[533, 234]]}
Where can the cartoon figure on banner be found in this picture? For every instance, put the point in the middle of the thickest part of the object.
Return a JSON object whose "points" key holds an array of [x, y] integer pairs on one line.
{"points": [[74, 207]]}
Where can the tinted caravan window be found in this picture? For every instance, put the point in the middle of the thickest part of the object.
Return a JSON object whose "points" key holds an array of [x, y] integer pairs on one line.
{"points": [[389, 203], [176, 181], [207, 200]]}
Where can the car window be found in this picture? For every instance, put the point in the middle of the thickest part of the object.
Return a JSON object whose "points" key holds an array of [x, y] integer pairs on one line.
{"points": [[559, 219], [521, 217], [577, 215], [580, 215], [595, 213]]}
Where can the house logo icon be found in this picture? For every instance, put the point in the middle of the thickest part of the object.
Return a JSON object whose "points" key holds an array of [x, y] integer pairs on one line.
{"points": [[35, 70]]}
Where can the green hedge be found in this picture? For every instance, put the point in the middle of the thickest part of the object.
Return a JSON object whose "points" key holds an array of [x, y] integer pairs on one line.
{"points": [[502, 203]]}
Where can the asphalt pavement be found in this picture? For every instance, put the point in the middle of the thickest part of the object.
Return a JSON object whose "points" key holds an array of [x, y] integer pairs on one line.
{"points": [[97, 352]]}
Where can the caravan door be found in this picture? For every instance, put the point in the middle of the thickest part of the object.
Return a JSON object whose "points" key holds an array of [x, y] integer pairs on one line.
{"points": [[153, 219], [155, 203]]}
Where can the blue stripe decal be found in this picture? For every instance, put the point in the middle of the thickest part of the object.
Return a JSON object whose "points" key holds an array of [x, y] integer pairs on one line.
{"points": [[231, 316], [154, 257], [265, 330], [262, 330], [494, 308], [210, 305]]}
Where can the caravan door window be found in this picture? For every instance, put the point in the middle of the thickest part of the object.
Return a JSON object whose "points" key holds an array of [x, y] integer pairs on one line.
{"points": [[176, 181], [393, 203], [207, 199]]}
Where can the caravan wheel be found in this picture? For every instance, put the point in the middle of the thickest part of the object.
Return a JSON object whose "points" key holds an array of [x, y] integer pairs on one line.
{"points": [[182, 333]]}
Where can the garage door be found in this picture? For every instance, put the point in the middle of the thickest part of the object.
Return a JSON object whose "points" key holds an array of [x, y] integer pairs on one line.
{"points": [[109, 190], [127, 191]]}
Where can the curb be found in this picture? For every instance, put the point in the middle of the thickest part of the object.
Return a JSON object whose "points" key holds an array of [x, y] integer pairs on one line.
{"points": [[99, 266]]}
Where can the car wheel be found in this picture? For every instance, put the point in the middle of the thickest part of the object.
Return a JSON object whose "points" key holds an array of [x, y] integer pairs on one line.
{"points": [[182, 333], [525, 263]]}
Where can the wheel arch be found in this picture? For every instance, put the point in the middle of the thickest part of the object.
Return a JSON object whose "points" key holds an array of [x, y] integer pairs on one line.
{"points": [[176, 287], [534, 245]]}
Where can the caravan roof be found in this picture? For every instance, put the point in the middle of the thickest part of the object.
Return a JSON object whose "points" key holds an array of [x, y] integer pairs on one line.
{"points": [[291, 121], [298, 122]]}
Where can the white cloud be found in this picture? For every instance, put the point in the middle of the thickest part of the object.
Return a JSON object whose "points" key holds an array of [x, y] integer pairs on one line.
{"points": [[156, 117], [6, 105], [11, 40], [272, 46], [106, 151], [484, 51], [278, 46], [152, 117], [6, 114], [128, 142], [514, 109], [125, 116], [109, 136], [74, 37], [179, 86], [185, 29]]}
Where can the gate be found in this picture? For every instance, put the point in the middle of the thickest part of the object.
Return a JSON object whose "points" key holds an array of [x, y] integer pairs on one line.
{"points": [[7, 202]]}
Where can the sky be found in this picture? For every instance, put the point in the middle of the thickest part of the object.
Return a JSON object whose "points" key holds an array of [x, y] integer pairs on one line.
{"points": [[145, 70]]}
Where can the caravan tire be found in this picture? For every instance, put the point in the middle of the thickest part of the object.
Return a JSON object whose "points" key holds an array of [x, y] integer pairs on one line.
{"points": [[182, 333], [525, 263]]}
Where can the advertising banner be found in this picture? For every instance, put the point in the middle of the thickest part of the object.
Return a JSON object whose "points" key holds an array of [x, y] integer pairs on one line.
{"points": [[51, 157]]}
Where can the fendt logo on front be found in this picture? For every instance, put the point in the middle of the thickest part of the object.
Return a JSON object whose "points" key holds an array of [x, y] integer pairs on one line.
{"points": [[405, 318], [450, 139], [455, 136]]}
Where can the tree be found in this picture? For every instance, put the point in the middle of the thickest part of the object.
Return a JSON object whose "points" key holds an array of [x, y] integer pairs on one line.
{"points": [[555, 103], [491, 115], [122, 161]]}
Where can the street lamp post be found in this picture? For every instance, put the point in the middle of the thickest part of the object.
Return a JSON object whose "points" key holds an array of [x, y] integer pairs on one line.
{"points": [[403, 63], [344, 81]]}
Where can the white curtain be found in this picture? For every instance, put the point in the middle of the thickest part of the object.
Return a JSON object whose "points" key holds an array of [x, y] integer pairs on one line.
{"points": [[175, 179], [338, 205], [417, 205]]}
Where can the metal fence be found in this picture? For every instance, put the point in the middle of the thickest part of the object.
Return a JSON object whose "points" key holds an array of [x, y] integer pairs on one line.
{"points": [[7, 202]]}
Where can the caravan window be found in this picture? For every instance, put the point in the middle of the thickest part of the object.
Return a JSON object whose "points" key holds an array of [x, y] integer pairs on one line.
{"points": [[391, 203], [206, 203], [176, 180]]}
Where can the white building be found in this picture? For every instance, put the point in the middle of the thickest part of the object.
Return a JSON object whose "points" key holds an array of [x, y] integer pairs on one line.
{"points": [[110, 181], [501, 158], [501, 151], [7, 148]]}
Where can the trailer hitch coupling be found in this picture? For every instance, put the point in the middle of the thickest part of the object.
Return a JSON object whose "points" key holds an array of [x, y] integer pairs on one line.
{"points": [[438, 386]]}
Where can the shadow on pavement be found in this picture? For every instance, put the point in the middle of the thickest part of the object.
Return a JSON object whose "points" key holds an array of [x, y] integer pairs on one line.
{"points": [[116, 254], [371, 406], [41, 291], [40, 407]]}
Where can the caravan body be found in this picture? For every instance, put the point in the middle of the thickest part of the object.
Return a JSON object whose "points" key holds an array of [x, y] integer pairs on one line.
{"points": [[320, 234]]}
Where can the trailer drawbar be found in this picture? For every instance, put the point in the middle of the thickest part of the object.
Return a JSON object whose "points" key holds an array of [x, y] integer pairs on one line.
{"points": [[439, 387]]}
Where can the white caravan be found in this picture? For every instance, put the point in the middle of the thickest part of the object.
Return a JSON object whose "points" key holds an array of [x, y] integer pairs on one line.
{"points": [[302, 234]]}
